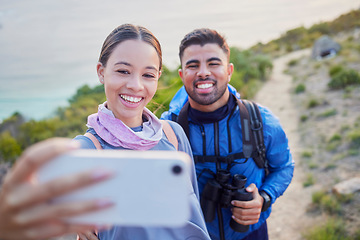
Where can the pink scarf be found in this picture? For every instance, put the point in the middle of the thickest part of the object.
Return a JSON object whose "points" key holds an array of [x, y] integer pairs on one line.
{"points": [[116, 133]]}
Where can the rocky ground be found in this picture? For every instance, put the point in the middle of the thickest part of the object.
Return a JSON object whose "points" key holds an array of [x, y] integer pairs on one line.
{"points": [[321, 161], [288, 219]]}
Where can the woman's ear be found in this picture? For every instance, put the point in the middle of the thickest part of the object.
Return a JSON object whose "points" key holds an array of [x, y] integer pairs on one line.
{"points": [[100, 72]]}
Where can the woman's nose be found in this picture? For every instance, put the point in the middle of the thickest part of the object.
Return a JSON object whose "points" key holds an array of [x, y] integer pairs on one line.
{"points": [[135, 83]]}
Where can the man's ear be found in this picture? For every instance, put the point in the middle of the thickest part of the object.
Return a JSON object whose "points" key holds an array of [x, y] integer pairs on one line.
{"points": [[180, 73], [230, 71], [100, 72]]}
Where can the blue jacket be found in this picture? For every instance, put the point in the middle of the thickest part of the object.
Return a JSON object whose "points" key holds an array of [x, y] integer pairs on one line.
{"points": [[281, 165]]}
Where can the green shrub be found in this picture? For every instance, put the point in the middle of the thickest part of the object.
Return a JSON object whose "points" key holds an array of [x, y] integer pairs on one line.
{"points": [[335, 70], [354, 137], [333, 229], [300, 88], [322, 28], [292, 62], [330, 166], [307, 154], [328, 113], [353, 152], [313, 165], [317, 196], [345, 198], [326, 202], [356, 235], [9, 148], [313, 103], [303, 118], [335, 137], [338, 156], [344, 78], [309, 181], [333, 142], [330, 204]]}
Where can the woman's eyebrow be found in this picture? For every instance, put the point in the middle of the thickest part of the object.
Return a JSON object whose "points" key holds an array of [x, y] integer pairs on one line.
{"points": [[129, 64], [123, 63], [151, 68]]}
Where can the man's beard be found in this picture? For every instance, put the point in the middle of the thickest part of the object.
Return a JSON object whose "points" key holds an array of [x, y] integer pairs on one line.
{"points": [[208, 98]]}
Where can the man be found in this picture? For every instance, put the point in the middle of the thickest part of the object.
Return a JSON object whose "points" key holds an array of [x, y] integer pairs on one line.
{"points": [[210, 116]]}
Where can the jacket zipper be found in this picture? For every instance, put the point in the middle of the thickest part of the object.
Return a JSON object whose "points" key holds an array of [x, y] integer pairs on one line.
{"points": [[216, 143], [203, 139]]}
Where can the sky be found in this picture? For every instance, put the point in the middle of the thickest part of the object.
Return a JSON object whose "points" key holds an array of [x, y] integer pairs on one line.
{"points": [[49, 48]]}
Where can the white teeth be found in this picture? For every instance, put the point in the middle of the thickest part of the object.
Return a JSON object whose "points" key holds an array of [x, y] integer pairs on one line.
{"points": [[130, 99], [205, 85]]}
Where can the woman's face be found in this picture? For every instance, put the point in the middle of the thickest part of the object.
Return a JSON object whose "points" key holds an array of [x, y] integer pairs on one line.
{"points": [[130, 79]]}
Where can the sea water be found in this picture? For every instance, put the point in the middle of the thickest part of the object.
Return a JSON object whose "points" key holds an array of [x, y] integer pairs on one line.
{"points": [[48, 49]]}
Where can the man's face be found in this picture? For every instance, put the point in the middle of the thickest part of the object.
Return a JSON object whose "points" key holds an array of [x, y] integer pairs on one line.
{"points": [[205, 73]]}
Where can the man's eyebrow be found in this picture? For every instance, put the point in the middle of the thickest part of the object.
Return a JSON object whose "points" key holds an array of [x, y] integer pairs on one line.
{"points": [[213, 59], [192, 61]]}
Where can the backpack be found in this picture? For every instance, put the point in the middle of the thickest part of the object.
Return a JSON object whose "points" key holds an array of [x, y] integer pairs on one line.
{"points": [[169, 132], [252, 132]]}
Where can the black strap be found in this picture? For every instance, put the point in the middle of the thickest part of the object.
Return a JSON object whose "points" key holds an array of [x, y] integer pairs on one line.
{"points": [[258, 135], [248, 139], [183, 119]]}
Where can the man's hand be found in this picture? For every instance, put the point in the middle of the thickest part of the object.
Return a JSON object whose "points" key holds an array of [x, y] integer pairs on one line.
{"points": [[248, 212]]}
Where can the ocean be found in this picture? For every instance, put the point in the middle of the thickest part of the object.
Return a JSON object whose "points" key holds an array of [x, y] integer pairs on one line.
{"points": [[48, 49]]}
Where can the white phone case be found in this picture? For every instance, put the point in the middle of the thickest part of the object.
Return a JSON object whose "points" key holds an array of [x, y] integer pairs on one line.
{"points": [[149, 188]]}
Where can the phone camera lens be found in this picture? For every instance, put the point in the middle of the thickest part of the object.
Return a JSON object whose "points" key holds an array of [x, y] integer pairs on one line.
{"points": [[177, 169]]}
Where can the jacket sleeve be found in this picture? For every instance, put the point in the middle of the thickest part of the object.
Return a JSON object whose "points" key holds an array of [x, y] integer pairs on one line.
{"points": [[280, 161], [166, 115]]}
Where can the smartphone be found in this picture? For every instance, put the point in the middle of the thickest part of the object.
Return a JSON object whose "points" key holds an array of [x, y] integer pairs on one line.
{"points": [[149, 188]]}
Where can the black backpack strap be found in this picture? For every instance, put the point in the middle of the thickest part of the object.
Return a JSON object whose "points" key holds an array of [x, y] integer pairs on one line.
{"points": [[248, 141], [183, 120], [258, 135]]}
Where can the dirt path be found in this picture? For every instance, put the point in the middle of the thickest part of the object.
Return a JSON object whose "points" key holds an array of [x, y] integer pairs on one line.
{"points": [[288, 218]]}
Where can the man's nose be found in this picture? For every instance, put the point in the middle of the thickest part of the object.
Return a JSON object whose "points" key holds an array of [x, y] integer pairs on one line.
{"points": [[203, 72]]}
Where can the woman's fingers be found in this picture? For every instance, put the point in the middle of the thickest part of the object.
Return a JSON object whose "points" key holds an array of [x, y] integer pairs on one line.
{"points": [[27, 209], [52, 229], [47, 212], [35, 156], [28, 194], [88, 235]]}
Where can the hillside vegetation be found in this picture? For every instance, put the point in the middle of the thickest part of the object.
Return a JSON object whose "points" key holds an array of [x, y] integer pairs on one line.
{"points": [[302, 37], [16, 134]]}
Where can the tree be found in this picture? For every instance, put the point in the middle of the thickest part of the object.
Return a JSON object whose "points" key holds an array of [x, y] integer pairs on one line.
{"points": [[9, 148]]}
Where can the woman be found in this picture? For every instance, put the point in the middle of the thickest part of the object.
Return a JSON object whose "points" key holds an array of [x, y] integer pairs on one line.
{"points": [[129, 67]]}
